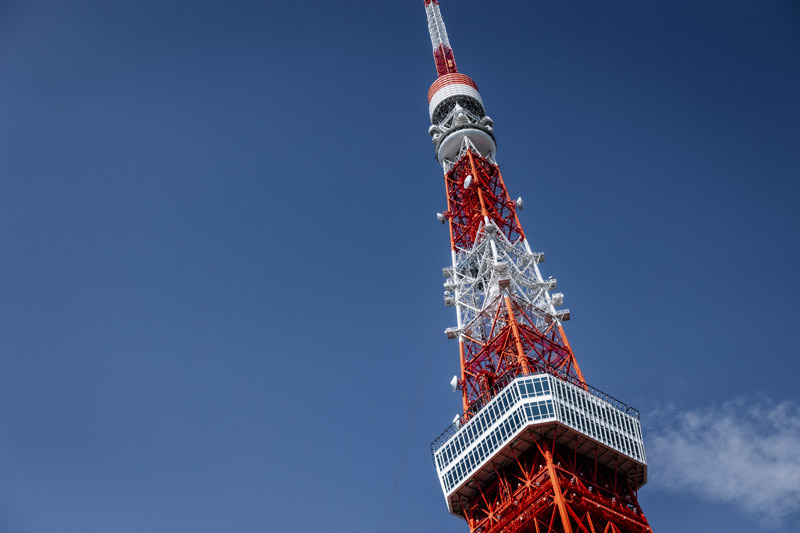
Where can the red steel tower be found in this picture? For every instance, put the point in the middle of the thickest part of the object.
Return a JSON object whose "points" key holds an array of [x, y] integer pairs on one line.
{"points": [[537, 449]]}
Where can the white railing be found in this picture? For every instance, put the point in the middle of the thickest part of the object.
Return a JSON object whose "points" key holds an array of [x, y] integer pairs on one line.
{"points": [[531, 400]]}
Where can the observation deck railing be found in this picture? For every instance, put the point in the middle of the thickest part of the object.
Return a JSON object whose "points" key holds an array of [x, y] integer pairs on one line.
{"points": [[536, 400], [503, 381]]}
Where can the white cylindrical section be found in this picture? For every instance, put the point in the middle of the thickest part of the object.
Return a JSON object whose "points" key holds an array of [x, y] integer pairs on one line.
{"points": [[436, 26], [450, 146], [455, 89]]}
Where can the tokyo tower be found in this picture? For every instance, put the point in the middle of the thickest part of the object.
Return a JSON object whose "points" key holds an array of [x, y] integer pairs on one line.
{"points": [[537, 449]]}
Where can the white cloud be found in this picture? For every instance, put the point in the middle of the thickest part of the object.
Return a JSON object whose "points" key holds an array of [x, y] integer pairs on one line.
{"points": [[742, 453]]}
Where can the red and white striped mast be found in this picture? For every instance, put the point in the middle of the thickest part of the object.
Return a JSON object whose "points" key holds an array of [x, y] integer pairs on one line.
{"points": [[535, 448]]}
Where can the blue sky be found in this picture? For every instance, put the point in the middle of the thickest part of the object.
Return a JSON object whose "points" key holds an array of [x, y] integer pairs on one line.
{"points": [[220, 265]]}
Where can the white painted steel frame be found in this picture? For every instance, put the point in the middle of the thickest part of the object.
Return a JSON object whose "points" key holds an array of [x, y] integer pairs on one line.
{"points": [[436, 27]]}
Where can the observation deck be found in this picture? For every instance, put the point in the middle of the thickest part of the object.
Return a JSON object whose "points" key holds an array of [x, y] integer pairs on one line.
{"points": [[524, 411]]}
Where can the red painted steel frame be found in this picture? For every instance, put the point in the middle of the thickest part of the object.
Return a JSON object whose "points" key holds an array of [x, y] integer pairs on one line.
{"points": [[445, 60], [555, 489], [463, 205]]}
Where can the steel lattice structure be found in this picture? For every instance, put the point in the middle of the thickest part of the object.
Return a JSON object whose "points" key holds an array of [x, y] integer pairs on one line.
{"points": [[536, 449]]}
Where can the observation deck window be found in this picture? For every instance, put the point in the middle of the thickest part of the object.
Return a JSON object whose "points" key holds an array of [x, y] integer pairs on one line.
{"points": [[530, 400]]}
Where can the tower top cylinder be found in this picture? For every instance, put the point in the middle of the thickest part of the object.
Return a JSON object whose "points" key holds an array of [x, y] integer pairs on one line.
{"points": [[450, 89]]}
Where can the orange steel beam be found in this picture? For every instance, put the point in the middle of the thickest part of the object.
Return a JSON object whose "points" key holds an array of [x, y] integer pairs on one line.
{"points": [[475, 177], [508, 198], [484, 212], [589, 519], [450, 220], [557, 495], [552, 519], [577, 520], [571, 353], [464, 402], [523, 361]]}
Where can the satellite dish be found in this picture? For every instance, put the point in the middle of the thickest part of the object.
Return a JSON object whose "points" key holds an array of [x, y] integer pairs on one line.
{"points": [[440, 217], [520, 203], [454, 383], [467, 181], [457, 421]]}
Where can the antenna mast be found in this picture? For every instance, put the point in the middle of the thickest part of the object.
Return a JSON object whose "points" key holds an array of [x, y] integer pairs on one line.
{"points": [[442, 52]]}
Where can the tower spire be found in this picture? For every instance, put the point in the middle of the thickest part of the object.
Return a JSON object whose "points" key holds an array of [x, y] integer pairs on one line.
{"points": [[535, 448], [442, 52]]}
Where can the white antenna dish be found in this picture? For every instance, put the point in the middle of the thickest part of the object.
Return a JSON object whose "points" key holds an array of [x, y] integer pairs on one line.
{"points": [[467, 181], [454, 383]]}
